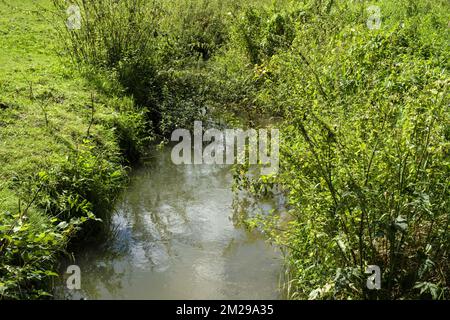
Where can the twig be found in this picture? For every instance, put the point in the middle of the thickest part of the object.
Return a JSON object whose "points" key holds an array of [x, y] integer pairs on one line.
{"points": [[92, 114]]}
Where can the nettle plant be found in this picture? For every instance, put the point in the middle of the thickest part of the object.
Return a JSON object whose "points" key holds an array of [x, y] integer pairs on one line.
{"points": [[30, 244]]}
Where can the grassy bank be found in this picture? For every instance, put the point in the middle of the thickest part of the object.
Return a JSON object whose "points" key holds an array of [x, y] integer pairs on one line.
{"points": [[64, 139]]}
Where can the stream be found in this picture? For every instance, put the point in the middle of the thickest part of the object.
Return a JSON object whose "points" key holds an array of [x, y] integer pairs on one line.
{"points": [[173, 237]]}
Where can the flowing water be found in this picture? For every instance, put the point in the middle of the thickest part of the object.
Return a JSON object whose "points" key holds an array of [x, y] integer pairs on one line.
{"points": [[174, 238]]}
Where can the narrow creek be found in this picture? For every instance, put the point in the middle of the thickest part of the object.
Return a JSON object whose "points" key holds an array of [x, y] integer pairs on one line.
{"points": [[174, 238]]}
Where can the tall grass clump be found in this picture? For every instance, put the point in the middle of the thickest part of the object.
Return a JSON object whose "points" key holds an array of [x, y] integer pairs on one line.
{"points": [[155, 49], [117, 36], [109, 31]]}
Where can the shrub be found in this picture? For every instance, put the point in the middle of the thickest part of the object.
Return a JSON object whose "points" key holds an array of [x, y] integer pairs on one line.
{"points": [[365, 153]]}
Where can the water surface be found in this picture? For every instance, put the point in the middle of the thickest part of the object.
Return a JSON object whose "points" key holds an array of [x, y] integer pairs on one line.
{"points": [[174, 238]]}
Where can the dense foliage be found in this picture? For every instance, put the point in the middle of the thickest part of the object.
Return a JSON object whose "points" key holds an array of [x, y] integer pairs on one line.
{"points": [[365, 150], [363, 113]]}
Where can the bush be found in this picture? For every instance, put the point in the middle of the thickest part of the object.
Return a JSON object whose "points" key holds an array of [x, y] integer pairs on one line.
{"points": [[365, 154], [263, 33]]}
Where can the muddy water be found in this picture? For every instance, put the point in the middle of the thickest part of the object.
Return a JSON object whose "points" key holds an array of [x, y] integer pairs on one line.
{"points": [[173, 237]]}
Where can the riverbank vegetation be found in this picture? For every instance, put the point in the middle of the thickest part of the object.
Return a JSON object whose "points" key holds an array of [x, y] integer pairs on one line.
{"points": [[360, 96], [63, 150]]}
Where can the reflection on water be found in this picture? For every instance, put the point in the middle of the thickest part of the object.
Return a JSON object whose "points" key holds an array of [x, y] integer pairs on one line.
{"points": [[174, 239]]}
